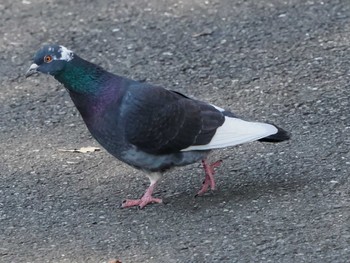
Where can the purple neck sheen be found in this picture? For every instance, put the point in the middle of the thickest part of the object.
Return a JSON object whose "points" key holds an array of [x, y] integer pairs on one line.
{"points": [[93, 106]]}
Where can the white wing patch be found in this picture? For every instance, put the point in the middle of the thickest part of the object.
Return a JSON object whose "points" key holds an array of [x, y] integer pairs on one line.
{"points": [[235, 131]]}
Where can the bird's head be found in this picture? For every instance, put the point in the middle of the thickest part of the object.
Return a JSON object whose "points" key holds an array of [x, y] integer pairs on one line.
{"points": [[50, 59]]}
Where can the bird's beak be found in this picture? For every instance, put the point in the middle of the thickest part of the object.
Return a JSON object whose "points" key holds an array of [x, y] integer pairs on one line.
{"points": [[32, 70]]}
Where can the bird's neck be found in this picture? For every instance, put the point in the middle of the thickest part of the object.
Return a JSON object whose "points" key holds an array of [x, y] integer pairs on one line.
{"points": [[91, 88], [82, 77]]}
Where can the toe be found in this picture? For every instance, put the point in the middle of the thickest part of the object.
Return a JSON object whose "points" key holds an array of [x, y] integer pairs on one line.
{"points": [[130, 203], [149, 201]]}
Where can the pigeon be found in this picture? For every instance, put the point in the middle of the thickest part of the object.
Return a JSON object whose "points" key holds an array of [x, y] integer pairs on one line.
{"points": [[147, 126]]}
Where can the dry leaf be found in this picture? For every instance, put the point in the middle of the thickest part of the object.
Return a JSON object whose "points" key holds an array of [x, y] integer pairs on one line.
{"points": [[206, 32], [82, 150]]}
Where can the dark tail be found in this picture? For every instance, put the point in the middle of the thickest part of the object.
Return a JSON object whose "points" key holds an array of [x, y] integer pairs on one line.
{"points": [[280, 136]]}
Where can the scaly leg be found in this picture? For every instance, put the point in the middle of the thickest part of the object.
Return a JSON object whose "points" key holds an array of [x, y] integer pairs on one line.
{"points": [[147, 198], [209, 180]]}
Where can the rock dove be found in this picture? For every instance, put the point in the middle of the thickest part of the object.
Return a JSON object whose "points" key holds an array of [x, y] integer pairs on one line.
{"points": [[147, 126]]}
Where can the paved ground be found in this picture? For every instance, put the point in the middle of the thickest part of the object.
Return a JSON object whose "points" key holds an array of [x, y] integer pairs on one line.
{"points": [[285, 61]]}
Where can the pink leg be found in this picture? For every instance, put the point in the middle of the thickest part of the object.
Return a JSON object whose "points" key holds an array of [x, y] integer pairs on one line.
{"points": [[209, 180], [147, 198]]}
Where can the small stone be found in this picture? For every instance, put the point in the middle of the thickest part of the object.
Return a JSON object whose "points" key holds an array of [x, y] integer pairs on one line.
{"points": [[167, 53]]}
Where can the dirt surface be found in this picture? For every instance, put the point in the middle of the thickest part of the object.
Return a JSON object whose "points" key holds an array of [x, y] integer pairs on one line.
{"points": [[284, 61]]}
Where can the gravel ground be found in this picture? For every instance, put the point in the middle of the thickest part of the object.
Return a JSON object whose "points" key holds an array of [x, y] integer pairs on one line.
{"points": [[284, 61]]}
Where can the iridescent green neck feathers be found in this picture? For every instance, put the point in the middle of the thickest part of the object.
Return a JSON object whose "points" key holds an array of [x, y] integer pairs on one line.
{"points": [[80, 76]]}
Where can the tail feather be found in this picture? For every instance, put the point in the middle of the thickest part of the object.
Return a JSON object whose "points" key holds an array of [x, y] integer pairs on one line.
{"points": [[236, 131], [280, 136]]}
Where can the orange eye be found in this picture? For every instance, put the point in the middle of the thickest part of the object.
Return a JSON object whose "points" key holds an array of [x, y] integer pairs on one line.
{"points": [[47, 59]]}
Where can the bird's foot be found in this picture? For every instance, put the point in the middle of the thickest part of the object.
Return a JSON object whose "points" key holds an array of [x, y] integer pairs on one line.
{"points": [[146, 199], [209, 180], [142, 202]]}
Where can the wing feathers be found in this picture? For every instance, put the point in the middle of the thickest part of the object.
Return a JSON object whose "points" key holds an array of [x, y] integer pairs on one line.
{"points": [[159, 121]]}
